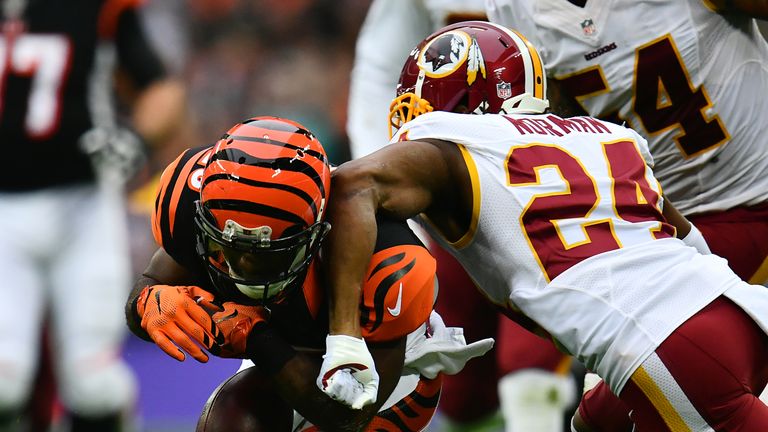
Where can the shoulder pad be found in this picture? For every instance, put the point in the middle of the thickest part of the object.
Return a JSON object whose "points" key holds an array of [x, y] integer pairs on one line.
{"points": [[174, 201]]}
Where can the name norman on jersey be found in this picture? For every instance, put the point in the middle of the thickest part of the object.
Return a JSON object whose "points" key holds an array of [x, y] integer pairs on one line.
{"points": [[556, 126]]}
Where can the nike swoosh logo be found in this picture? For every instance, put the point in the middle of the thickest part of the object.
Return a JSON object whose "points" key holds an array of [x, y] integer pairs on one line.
{"points": [[396, 310]]}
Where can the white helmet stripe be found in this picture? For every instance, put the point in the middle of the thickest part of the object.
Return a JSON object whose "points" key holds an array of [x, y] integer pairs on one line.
{"points": [[419, 82], [534, 69]]}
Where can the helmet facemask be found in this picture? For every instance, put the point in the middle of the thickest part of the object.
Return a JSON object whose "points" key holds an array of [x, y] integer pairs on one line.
{"points": [[405, 108], [246, 264]]}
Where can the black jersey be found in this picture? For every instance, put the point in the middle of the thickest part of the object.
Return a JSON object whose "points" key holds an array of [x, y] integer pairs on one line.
{"points": [[49, 58], [399, 289]]}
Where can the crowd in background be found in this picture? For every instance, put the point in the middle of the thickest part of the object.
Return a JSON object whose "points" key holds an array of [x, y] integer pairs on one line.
{"points": [[243, 58]]}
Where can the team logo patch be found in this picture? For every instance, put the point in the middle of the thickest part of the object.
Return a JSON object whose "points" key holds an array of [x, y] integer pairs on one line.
{"points": [[448, 52], [504, 90], [588, 27], [445, 54]]}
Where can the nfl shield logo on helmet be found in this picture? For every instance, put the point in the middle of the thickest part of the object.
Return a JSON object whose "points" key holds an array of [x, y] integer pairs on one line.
{"points": [[588, 26], [504, 90]]}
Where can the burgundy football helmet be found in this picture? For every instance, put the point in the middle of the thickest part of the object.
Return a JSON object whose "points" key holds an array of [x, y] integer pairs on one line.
{"points": [[473, 67]]}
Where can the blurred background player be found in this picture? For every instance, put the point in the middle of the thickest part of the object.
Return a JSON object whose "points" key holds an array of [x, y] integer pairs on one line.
{"points": [[239, 224], [537, 384], [690, 80], [63, 252]]}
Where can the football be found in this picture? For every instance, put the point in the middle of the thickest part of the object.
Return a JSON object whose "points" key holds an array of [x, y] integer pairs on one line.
{"points": [[245, 402]]}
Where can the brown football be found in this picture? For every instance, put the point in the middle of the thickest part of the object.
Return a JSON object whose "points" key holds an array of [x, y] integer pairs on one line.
{"points": [[246, 402]]}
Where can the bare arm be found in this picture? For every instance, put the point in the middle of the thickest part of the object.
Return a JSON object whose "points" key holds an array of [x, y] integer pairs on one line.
{"points": [[681, 224], [159, 111], [754, 8], [686, 231], [401, 180]]}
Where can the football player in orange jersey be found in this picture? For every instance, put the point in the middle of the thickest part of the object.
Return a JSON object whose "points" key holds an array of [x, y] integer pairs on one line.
{"points": [[240, 226]]}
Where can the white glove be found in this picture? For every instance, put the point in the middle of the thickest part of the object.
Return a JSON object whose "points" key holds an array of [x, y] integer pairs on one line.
{"points": [[438, 328], [445, 351], [348, 373], [695, 239]]}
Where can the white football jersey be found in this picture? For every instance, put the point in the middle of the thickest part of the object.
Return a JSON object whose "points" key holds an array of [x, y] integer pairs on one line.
{"points": [[567, 229], [392, 28], [691, 81]]}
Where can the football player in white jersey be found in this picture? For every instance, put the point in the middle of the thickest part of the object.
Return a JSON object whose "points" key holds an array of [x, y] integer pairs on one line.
{"points": [[560, 221], [690, 80], [378, 59], [469, 400]]}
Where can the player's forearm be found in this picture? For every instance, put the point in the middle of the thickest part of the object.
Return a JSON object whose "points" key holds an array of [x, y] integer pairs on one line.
{"points": [[131, 316], [159, 111], [348, 251], [674, 217]]}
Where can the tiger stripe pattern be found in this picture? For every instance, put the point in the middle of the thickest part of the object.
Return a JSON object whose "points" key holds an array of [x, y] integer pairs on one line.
{"points": [[287, 172]]}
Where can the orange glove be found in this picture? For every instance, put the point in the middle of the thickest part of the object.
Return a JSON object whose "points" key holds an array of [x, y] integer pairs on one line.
{"points": [[236, 322], [173, 318]]}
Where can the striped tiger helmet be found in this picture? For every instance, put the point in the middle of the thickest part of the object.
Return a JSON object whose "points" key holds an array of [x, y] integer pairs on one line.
{"points": [[260, 216], [470, 67]]}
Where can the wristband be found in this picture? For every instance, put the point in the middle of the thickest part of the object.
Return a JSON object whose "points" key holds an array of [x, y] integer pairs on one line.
{"points": [[135, 303], [133, 318], [696, 240], [267, 349]]}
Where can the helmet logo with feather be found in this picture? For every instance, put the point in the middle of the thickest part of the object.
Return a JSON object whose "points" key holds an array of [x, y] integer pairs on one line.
{"points": [[446, 53]]}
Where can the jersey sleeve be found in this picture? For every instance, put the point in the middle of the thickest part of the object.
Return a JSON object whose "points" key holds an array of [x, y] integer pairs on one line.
{"points": [[400, 284], [173, 217], [136, 54], [110, 13]]}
